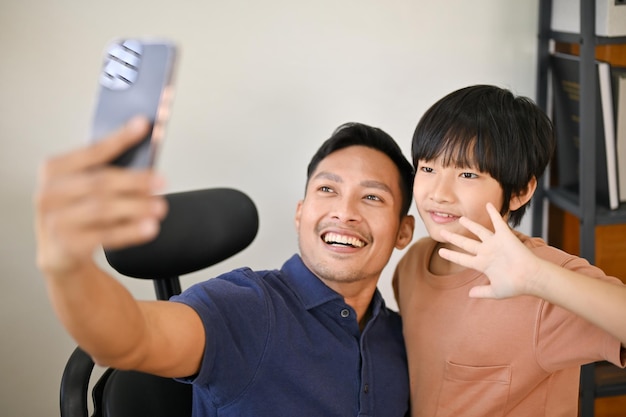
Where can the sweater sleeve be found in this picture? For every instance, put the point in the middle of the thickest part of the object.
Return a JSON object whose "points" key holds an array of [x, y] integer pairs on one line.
{"points": [[563, 339]]}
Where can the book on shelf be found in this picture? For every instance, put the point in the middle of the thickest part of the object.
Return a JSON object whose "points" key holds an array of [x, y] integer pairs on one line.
{"points": [[614, 54], [619, 88], [565, 71]]}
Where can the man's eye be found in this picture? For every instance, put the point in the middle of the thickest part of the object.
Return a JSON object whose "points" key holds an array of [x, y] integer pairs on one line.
{"points": [[326, 189], [373, 197]]}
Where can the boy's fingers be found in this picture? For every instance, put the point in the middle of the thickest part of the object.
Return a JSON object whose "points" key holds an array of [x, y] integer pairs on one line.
{"points": [[496, 219], [482, 291], [100, 152], [456, 257], [478, 230], [469, 245]]}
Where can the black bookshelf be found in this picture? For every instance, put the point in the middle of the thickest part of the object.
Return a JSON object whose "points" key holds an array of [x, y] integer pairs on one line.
{"points": [[569, 201], [583, 205]]}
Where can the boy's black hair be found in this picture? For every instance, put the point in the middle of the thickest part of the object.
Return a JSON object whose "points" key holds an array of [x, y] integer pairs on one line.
{"points": [[358, 134], [490, 129]]}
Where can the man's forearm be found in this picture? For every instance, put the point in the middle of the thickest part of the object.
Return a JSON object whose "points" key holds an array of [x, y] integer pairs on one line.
{"points": [[100, 314]]}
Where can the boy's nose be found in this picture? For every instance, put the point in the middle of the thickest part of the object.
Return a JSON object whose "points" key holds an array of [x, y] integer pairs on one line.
{"points": [[442, 190]]}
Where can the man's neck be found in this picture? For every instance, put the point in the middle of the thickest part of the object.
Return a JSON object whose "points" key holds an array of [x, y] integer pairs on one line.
{"points": [[359, 297]]}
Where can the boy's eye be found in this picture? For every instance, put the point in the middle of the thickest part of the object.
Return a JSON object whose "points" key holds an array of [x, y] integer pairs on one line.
{"points": [[469, 175], [426, 169], [326, 189]]}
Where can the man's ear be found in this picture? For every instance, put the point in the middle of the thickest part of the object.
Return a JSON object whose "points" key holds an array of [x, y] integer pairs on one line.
{"points": [[298, 214], [524, 197], [405, 233]]}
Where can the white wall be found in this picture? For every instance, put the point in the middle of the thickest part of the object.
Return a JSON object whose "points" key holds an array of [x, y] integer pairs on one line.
{"points": [[260, 85]]}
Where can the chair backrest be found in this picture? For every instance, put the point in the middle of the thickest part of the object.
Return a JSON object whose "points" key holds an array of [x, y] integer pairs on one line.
{"points": [[201, 229], [137, 394]]}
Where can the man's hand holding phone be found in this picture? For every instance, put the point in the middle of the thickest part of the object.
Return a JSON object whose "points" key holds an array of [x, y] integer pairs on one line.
{"points": [[104, 194], [83, 202]]}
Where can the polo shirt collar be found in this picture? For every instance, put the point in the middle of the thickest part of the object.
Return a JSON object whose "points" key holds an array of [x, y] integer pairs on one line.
{"points": [[311, 291]]}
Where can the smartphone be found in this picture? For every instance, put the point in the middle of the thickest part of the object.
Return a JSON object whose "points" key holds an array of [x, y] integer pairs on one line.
{"points": [[137, 78]]}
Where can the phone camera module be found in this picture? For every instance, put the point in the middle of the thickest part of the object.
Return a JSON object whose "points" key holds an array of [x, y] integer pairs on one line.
{"points": [[121, 65]]}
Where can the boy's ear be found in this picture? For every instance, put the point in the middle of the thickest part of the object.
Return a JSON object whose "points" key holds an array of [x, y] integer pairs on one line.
{"points": [[524, 197]]}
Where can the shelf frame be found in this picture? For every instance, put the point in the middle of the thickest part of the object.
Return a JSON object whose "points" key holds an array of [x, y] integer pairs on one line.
{"points": [[583, 203]]}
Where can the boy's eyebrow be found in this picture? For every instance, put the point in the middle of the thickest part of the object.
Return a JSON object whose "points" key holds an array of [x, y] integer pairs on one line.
{"points": [[366, 183], [449, 161]]}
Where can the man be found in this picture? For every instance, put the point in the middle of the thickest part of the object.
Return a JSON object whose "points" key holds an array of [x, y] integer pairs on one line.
{"points": [[311, 339]]}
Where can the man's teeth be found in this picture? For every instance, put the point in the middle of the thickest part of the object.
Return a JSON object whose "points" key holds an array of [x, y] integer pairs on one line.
{"points": [[343, 240]]}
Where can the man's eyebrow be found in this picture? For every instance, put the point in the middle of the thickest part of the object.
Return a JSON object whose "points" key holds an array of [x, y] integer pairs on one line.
{"points": [[329, 176], [376, 184], [366, 183]]}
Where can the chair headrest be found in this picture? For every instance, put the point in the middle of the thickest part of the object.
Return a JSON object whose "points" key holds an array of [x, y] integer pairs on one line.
{"points": [[202, 228]]}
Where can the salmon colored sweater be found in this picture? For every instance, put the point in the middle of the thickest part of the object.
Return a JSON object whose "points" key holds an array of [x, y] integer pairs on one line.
{"points": [[517, 357]]}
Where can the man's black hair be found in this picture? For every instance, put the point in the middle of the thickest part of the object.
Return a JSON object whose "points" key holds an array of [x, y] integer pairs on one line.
{"points": [[358, 134]]}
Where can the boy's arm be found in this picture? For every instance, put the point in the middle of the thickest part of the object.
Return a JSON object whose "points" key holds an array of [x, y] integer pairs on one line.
{"points": [[83, 203], [514, 270]]}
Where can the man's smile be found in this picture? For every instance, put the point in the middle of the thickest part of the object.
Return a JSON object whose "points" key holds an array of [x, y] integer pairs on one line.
{"points": [[343, 240]]}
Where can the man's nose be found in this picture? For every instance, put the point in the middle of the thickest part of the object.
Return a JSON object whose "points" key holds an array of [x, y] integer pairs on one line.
{"points": [[346, 209]]}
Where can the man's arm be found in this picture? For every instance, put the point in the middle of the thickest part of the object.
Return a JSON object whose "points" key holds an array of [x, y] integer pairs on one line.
{"points": [[83, 203], [514, 270]]}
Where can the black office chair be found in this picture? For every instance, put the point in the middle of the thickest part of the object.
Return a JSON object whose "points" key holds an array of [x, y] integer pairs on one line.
{"points": [[201, 229]]}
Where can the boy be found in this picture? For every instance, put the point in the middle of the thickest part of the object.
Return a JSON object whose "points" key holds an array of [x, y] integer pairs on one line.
{"points": [[478, 357]]}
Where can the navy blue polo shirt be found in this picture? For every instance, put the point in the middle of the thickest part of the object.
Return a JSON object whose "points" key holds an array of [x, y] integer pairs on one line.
{"points": [[282, 343]]}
